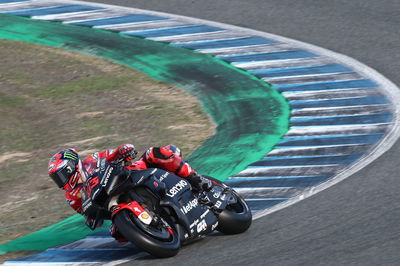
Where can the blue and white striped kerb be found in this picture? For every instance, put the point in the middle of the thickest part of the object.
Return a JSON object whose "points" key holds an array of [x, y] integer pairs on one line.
{"points": [[343, 115]]}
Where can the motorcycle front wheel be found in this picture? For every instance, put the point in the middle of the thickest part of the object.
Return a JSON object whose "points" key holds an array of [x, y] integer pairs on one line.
{"points": [[157, 239]]}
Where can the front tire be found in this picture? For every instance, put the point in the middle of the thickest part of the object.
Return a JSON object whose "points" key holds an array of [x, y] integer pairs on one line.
{"points": [[162, 246]]}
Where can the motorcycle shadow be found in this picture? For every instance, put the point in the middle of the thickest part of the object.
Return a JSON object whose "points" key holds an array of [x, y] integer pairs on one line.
{"points": [[187, 244]]}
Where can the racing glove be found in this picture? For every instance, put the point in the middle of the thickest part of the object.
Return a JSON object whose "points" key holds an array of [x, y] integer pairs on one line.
{"points": [[200, 182], [127, 152]]}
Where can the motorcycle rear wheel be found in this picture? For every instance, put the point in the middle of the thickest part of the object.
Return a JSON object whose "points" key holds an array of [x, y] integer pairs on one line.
{"points": [[237, 217], [159, 242]]}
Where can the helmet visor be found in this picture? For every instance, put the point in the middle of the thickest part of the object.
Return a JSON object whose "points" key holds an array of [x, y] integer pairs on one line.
{"points": [[62, 176]]}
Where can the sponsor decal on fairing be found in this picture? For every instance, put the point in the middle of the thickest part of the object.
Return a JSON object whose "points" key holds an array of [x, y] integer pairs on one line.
{"points": [[145, 218], [107, 175], [163, 176], [194, 223], [175, 189], [218, 204], [86, 205], [204, 214], [202, 226], [217, 194], [214, 226], [189, 206]]}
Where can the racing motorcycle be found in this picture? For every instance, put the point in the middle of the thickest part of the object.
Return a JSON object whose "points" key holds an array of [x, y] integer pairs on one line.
{"points": [[158, 211]]}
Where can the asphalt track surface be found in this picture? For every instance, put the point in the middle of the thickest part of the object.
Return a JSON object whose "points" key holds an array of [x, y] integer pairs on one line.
{"points": [[355, 222]]}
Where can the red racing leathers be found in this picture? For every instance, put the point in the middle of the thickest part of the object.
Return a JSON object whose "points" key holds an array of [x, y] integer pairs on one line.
{"points": [[160, 157]]}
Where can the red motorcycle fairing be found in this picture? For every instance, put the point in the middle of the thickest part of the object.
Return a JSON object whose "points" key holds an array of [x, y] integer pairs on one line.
{"points": [[135, 208]]}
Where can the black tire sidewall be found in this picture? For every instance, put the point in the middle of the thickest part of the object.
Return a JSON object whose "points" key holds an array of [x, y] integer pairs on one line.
{"points": [[135, 235], [230, 222]]}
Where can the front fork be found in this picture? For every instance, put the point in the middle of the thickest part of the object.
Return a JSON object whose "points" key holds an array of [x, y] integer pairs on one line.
{"points": [[132, 206]]}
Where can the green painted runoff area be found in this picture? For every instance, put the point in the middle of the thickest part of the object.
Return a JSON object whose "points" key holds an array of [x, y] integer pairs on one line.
{"points": [[251, 117]]}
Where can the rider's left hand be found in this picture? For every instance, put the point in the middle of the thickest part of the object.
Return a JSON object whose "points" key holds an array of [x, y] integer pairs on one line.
{"points": [[127, 152]]}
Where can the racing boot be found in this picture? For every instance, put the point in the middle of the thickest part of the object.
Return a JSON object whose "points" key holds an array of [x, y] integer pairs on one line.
{"points": [[200, 182]]}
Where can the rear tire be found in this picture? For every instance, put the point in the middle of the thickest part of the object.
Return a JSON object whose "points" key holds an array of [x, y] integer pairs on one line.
{"points": [[162, 248], [237, 217]]}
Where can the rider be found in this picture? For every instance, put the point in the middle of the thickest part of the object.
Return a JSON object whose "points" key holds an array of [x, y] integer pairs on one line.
{"points": [[69, 172]]}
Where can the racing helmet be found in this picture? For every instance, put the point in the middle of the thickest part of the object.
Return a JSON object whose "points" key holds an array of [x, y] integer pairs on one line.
{"points": [[65, 168]]}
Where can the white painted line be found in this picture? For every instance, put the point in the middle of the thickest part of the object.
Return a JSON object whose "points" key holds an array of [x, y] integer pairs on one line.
{"points": [[345, 129], [313, 79], [84, 19], [330, 94], [15, 4], [29, 7], [260, 189], [127, 259], [215, 39], [70, 15], [250, 49], [184, 36], [283, 170], [294, 148], [359, 109], [318, 128], [321, 149], [100, 14], [304, 62], [290, 78], [207, 37], [145, 25]]}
